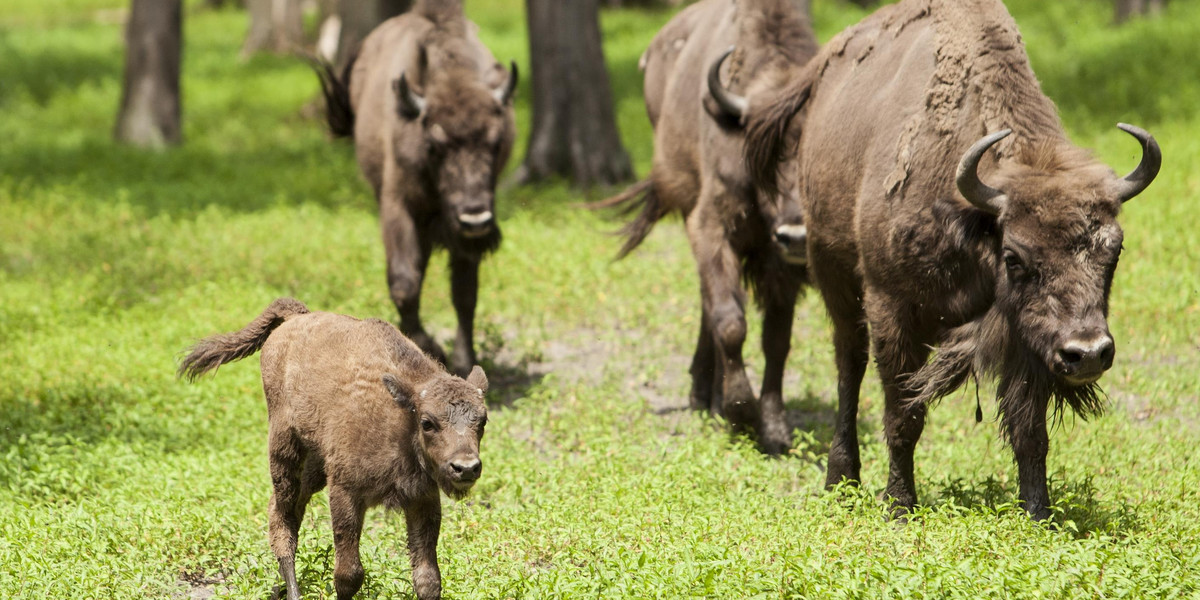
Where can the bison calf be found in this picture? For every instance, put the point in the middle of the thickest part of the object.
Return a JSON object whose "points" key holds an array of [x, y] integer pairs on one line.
{"points": [[356, 406]]}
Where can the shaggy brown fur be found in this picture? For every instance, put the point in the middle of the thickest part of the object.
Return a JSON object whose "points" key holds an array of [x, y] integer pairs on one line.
{"points": [[356, 406], [430, 111], [698, 173], [1011, 283]]}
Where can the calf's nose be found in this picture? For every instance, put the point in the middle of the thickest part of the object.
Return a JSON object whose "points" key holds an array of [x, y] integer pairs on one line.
{"points": [[467, 469], [1087, 355]]}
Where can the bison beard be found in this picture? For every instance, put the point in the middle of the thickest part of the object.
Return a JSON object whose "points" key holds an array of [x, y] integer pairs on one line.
{"points": [[984, 349]]}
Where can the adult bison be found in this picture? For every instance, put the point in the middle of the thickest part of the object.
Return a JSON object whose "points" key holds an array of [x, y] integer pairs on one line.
{"points": [[698, 172], [430, 111], [1002, 259]]}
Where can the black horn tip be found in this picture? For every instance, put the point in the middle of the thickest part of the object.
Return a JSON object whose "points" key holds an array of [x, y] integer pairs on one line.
{"points": [[1140, 178]]}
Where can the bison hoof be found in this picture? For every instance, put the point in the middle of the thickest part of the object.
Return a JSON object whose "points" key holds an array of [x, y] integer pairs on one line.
{"points": [[775, 439]]}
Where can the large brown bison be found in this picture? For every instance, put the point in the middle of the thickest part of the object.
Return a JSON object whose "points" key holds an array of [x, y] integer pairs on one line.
{"points": [[430, 111], [946, 207], [355, 406], [698, 172]]}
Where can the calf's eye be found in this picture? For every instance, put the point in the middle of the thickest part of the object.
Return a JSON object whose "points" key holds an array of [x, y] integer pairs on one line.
{"points": [[428, 425]]}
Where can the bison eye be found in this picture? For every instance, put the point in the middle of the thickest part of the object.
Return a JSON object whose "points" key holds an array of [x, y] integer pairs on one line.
{"points": [[428, 425], [1014, 264]]}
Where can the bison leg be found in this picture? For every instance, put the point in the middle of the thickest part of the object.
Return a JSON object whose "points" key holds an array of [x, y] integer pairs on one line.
{"points": [[424, 521], [897, 355], [724, 302], [346, 512], [774, 434], [286, 456], [407, 256], [702, 368], [1030, 441], [464, 287], [850, 346]]}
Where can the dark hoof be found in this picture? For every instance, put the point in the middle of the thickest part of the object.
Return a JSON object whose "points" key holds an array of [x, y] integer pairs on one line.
{"points": [[775, 438]]}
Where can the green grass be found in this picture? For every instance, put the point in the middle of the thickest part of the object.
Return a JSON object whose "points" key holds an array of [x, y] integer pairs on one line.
{"points": [[117, 481]]}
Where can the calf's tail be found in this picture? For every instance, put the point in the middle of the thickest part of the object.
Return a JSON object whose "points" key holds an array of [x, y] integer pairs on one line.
{"points": [[212, 352], [640, 198], [336, 90]]}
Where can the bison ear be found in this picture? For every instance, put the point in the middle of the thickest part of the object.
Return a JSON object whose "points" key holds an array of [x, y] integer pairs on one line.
{"points": [[478, 379], [400, 394]]}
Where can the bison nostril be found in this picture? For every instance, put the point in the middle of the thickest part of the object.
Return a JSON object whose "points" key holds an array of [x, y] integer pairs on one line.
{"points": [[467, 469], [1070, 357]]}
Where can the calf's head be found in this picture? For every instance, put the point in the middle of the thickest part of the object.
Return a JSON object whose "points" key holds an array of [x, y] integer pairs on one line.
{"points": [[781, 207], [1057, 248], [467, 130], [450, 416]]}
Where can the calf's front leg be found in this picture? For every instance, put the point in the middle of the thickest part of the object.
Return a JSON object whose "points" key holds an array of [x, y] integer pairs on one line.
{"points": [[1026, 429], [424, 520]]}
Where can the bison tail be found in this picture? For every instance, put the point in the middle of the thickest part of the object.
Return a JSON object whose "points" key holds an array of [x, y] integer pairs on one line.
{"points": [[214, 351], [640, 198], [767, 129], [336, 90]]}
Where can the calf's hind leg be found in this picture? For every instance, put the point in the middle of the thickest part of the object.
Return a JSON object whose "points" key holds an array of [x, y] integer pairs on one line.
{"points": [[286, 456]]}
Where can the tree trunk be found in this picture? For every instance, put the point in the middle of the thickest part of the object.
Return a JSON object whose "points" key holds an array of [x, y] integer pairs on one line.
{"points": [[346, 22], [574, 133], [275, 26], [150, 113], [1130, 8]]}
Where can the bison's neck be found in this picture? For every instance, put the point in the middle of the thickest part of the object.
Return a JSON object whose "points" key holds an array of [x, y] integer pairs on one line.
{"points": [[981, 62]]}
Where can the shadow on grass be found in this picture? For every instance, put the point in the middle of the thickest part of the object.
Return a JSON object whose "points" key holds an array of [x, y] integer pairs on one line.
{"points": [[508, 382], [44, 75], [1076, 508], [53, 438]]}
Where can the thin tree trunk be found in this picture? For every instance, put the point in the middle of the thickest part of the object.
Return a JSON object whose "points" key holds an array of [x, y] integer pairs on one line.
{"points": [[574, 132], [275, 26], [1125, 9], [150, 111]]}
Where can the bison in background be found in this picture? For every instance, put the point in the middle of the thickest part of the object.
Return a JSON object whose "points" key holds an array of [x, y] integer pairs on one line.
{"points": [[933, 224], [735, 232], [430, 111]]}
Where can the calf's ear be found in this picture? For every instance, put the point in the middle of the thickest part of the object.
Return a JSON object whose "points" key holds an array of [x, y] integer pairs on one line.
{"points": [[398, 391], [478, 379]]}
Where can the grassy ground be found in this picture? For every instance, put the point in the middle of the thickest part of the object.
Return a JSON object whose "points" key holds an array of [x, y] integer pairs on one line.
{"points": [[117, 481]]}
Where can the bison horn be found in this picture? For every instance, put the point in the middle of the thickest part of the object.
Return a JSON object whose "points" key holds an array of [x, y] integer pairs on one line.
{"points": [[411, 104], [505, 93], [731, 104], [1133, 183], [978, 193]]}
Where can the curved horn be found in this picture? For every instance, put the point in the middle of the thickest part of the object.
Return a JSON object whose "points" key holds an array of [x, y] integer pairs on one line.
{"points": [[411, 104], [1133, 183], [983, 196], [505, 93], [731, 104]]}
